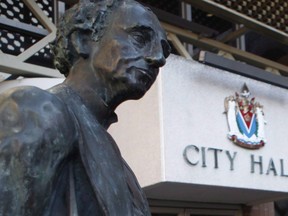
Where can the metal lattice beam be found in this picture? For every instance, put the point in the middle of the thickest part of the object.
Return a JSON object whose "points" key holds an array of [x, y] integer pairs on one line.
{"points": [[240, 18], [16, 64]]}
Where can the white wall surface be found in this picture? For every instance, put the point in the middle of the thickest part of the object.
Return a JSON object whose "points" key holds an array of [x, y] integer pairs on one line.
{"points": [[186, 107]]}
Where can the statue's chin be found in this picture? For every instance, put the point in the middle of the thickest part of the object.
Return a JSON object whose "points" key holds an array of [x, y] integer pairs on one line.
{"points": [[139, 81], [133, 89], [137, 93]]}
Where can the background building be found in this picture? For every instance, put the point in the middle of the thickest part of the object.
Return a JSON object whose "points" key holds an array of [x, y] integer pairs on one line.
{"points": [[247, 38]]}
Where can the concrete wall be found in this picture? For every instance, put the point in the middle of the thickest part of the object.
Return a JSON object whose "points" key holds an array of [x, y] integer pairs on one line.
{"points": [[186, 107]]}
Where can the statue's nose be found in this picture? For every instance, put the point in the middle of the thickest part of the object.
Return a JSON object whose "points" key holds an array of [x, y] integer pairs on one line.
{"points": [[158, 54], [156, 59]]}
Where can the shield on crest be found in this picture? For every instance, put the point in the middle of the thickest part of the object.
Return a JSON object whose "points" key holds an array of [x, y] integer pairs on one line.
{"points": [[246, 120]]}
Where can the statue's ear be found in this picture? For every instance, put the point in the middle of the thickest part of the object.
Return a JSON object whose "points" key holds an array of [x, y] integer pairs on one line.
{"points": [[81, 42]]}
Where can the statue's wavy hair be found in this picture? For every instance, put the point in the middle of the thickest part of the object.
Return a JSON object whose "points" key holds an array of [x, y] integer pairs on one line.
{"points": [[88, 16]]}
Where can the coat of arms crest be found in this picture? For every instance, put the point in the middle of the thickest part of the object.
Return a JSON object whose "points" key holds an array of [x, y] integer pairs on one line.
{"points": [[246, 120]]}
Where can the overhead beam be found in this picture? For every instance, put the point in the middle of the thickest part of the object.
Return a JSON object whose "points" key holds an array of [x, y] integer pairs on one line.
{"points": [[40, 15], [24, 28], [10, 64], [243, 69], [182, 23], [178, 46], [211, 45], [234, 35], [36, 47]]}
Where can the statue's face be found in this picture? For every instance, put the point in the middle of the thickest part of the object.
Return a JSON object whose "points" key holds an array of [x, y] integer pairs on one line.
{"points": [[131, 51]]}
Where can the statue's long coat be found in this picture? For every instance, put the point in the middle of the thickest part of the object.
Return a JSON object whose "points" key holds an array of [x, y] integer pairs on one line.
{"points": [[57, 160]]}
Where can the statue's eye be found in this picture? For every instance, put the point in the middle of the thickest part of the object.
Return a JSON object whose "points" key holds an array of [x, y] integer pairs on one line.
{"points": [[139, 37]]}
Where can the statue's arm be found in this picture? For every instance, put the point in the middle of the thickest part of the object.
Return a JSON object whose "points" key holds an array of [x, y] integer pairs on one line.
{"points": [[36, 134]]}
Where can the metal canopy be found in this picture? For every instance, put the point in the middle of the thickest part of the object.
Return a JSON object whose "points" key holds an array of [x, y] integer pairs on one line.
{"points": [[240, 18]]}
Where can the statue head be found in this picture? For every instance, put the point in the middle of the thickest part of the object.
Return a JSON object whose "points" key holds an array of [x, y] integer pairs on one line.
{"points": [[86, 17], [121, 42]]}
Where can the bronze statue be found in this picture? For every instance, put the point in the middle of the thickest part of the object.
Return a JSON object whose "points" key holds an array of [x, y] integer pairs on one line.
{"points": [[56, 157]]}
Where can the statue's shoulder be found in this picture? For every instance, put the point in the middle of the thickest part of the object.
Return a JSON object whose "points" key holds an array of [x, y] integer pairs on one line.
{"points": [[30, 97], [37, 134], [24, 108], [31, 101]]}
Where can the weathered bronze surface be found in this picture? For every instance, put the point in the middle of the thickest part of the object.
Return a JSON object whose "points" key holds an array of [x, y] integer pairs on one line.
{"points": [[56, 157]]}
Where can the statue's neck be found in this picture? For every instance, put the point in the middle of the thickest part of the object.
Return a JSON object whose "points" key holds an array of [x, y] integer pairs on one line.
{"points": [[98, 93], [94, 101]]}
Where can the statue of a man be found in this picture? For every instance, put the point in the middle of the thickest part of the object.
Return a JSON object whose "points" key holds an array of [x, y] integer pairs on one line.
{"points": [[56, 157]]}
